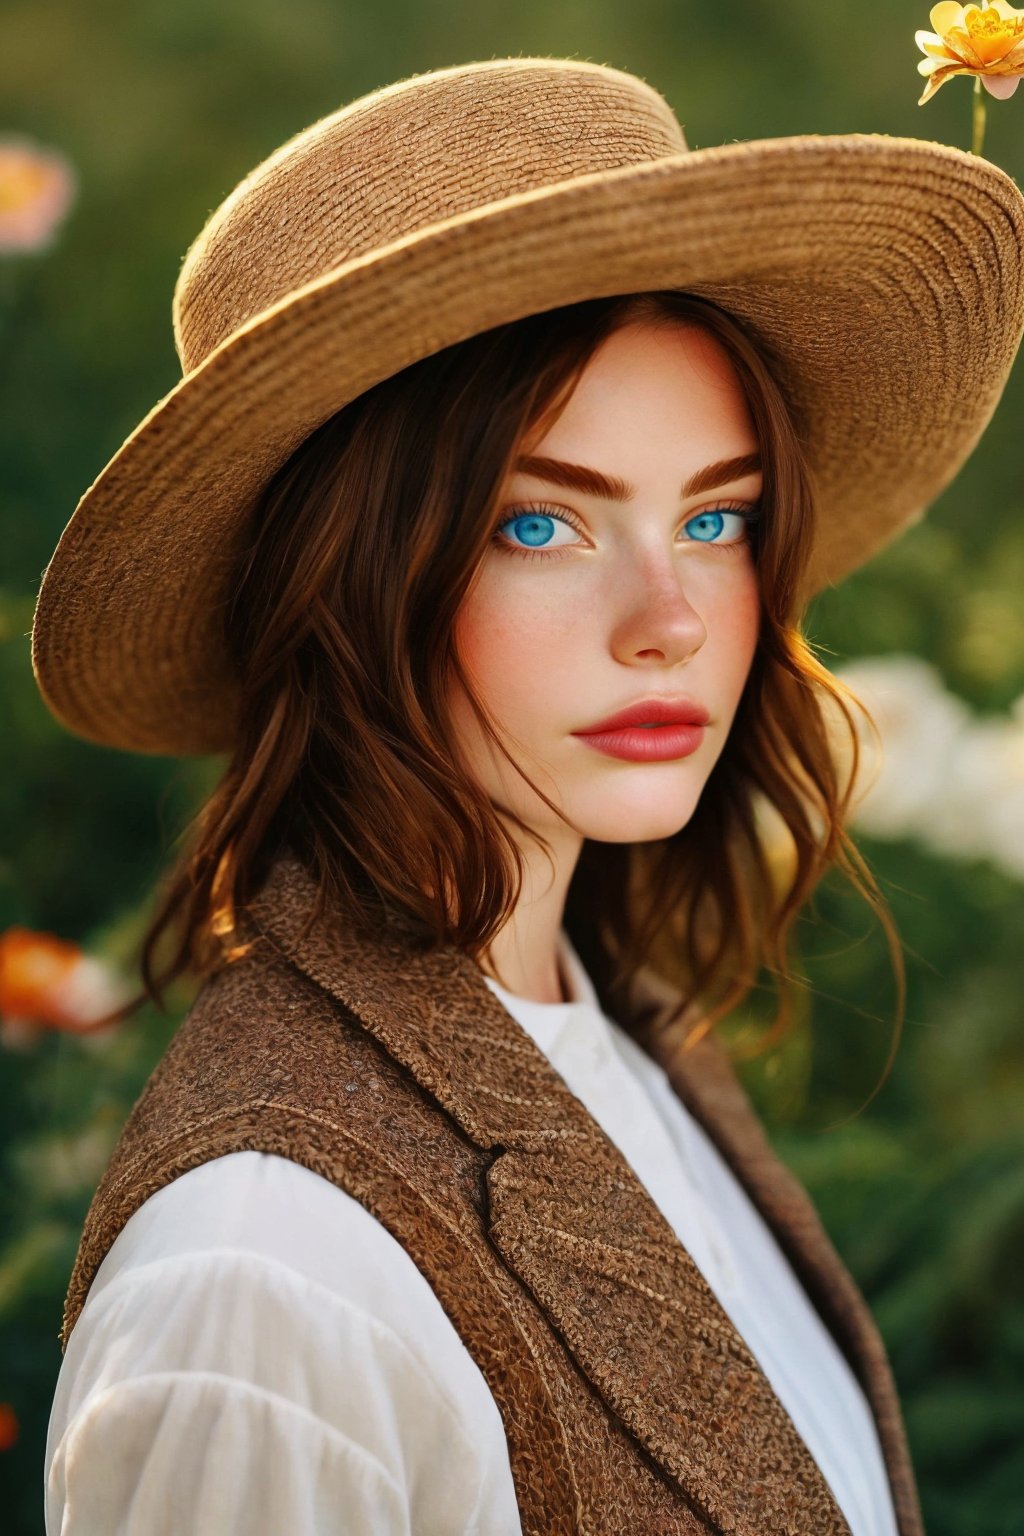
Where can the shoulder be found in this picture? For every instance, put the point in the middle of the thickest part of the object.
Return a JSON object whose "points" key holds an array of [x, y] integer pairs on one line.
{"points": [[258, 1229], [274, 1214], [250, 1290]]}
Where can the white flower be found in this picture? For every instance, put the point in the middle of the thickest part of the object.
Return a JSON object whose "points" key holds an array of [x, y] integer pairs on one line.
{"points": [[920, 725], [941, 775], [981, 813]]}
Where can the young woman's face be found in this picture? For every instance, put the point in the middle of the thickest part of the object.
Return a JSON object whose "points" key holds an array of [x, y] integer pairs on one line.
{"points": [[585, 603]]}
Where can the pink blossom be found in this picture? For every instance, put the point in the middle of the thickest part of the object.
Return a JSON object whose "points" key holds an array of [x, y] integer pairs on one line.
{"points": [[37, 188]]}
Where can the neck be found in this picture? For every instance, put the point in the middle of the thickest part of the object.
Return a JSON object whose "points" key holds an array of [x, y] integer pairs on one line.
{"points": [[525, 951]]}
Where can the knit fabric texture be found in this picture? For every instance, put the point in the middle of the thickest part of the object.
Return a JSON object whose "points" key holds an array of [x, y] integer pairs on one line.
{"points": [[628, 1398]]}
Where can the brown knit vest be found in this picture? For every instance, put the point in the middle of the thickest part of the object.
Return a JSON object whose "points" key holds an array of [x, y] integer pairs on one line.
{"points": [[630, 1402]]}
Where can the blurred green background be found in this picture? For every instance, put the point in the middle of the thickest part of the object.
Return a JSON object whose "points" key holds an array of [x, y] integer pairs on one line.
{"points": [[160, 110]]}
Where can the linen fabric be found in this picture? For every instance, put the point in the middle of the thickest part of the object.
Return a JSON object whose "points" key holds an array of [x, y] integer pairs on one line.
{"points": [[266, 1357], [628, 1397]]}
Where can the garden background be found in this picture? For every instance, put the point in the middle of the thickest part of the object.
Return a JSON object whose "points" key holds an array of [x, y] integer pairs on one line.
{"points": [[157, 111]]}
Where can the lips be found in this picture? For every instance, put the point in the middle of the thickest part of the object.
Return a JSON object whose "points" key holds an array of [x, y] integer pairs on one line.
{"points": [[654, 711]]}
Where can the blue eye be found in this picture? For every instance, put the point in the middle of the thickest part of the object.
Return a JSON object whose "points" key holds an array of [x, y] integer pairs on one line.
{"points": [[535, 527], [707, 526]]}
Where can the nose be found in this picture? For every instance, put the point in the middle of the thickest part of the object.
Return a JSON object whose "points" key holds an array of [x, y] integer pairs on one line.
{"points": [[659, 620]]}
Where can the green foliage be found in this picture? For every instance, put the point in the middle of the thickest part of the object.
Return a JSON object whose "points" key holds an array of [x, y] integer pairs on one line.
{"points": [[161, 110], [922, 1190]]}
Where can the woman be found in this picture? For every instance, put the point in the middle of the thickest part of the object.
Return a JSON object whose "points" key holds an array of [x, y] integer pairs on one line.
{"points": [[445, 1211]]}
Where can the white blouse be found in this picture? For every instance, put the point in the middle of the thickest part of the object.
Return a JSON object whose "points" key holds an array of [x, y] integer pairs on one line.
{"points": [[258, 1354]]}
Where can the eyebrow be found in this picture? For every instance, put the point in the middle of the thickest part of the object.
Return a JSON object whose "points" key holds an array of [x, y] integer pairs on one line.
{"points": [[577, 477]]}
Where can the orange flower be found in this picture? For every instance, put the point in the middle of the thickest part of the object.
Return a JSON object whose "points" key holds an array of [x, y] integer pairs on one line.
{"points": [[9, 1427], [37, 187], [985, 40], [48, 983]]}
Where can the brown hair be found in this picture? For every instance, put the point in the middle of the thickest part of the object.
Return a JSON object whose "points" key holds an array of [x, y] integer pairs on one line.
{"points": [[360, 551]]}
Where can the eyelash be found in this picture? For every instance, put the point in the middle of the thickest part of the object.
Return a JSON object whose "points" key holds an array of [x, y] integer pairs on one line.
{"points": [[749, 514]]}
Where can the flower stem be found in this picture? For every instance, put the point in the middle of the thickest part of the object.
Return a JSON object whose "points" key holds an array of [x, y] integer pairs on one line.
{"points": [[977, 117]]}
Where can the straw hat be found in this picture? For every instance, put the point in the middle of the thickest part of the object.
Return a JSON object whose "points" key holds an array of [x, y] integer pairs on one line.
{"points": [[885, 273]]}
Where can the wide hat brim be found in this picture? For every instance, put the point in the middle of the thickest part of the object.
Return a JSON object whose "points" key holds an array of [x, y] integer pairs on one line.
{"points": [[884, 272]]}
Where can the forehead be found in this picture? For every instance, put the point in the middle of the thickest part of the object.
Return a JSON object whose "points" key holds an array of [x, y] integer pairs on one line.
{"points": [[653, 387]]}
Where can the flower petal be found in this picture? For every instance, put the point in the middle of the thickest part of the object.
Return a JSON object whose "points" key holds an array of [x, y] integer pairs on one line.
{"points": [[960, 43], [1000, 86], [939, 79], [991, 49], [946, 15], [932, 45]]}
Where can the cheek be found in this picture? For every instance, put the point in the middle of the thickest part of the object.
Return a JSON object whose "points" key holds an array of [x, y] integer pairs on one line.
{"points": [[733, 621], [511, 637], [749, 616]]}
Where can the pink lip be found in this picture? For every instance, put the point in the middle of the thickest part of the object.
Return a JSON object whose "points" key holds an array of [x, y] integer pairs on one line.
{"points": [[654, 730], [654, 744], [660, 711]]}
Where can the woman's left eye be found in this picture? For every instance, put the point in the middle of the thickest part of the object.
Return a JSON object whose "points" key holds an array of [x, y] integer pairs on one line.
{"points": [[708, 527]]}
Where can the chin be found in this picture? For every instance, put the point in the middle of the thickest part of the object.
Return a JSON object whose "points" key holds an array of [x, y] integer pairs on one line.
{"points": [[628, 819]]}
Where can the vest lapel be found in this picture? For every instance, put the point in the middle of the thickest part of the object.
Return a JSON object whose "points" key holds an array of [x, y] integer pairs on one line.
{"points": [[571, 1219], [706, 1083]]}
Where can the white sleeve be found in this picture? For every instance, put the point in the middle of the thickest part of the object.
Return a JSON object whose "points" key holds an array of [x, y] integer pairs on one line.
{"points": [[213, 1388], [193, 1452]]}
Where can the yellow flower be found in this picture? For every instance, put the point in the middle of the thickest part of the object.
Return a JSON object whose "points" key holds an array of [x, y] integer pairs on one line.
{"points": [[986, 41]]}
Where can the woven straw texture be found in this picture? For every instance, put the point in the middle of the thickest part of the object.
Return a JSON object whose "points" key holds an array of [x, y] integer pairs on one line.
{"points": [[630, 1402], [882, 273]]}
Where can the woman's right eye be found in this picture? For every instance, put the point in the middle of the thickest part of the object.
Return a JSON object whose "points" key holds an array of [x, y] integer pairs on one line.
{"points": [[536, 527]]}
